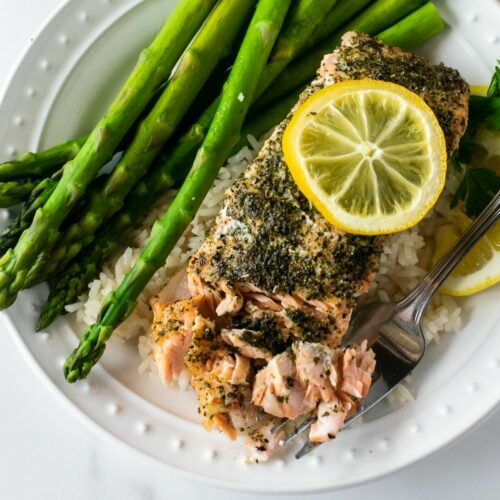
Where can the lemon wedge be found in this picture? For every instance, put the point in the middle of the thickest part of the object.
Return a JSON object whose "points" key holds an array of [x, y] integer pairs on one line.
{"points": [[478, 89], [369, 155], [480, 268]]}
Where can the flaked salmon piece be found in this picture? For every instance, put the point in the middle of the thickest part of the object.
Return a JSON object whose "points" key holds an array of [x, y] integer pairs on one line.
{"points": [[358, 366], [330, 419], [276, 391], [232, 301], [233, 369], [222, 422], [170, 357], [312, 378], [239, 338], [241, 370], [257, 333], [261, 442], [173, 328], [186, 339], [316, 367], [220, 378]]}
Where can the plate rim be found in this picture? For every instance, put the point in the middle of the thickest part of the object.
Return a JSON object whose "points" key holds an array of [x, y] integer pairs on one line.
{"points": [[95, 427]]}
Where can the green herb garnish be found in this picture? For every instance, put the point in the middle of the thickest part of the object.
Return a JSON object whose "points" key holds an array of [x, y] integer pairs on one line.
{"points": [[477, 188], [479, 184]]}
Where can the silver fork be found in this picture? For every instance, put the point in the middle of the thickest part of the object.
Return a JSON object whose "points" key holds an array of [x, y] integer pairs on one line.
{"points": [[393, 329]]}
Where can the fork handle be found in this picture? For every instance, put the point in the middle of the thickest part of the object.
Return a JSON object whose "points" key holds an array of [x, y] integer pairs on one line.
{"points": [[419, 297]]}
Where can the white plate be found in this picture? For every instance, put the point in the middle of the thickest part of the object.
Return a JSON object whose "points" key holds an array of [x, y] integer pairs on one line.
{"points": [[72, 69]]}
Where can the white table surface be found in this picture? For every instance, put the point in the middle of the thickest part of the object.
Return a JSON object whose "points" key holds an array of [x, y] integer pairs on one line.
{"points": [[46, 453]]}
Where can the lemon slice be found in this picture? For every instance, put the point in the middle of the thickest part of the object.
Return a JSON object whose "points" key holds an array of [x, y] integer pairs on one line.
{"points": [[480, 268], [369, 155], [478, 89]]}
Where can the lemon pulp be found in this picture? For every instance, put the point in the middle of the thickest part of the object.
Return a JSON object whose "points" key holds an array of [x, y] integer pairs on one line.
{"points": [[480, 268]]}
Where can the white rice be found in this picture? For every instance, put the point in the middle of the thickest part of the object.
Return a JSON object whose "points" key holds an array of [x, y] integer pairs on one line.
{"points": [[405, 258]]}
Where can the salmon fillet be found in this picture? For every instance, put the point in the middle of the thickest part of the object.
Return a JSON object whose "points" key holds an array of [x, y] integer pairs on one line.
{"points": [[278, 283], [270, 250]]}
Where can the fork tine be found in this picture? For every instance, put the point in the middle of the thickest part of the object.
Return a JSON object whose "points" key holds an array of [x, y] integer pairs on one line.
{"points": [[279, 425], [298, 431], [378, 391], [306, 449]]}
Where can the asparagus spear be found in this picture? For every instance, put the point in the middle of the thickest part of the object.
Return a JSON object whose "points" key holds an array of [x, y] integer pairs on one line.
{"points": [[300, 27], [45, 259], [17, 191], [414, 29], [74, 280], [44, 164], [222, 136], [38, 197], [154, 68], [212, 43], [344, 11], [378, 16], [305, 17]]}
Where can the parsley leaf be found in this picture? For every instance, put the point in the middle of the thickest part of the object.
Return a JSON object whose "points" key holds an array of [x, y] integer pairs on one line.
{"points": [[478, 185], [477, 188], [494, 88], [484, 110]]}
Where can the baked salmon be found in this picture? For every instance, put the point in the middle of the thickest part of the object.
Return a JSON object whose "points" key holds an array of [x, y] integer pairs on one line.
{"points": [[274, 284]]}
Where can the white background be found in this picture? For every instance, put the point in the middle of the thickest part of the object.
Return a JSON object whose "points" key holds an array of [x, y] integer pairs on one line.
{"points": [[45, 453]]}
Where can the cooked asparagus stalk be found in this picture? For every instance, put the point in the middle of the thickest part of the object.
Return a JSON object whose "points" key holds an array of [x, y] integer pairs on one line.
{"points": [[38, 197], [304, 19], [222, 136], [15, 192], [43, 164], [74, 280], [414, 29], [344, 11], [213, 43], [379, 16], [154, 68]]}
